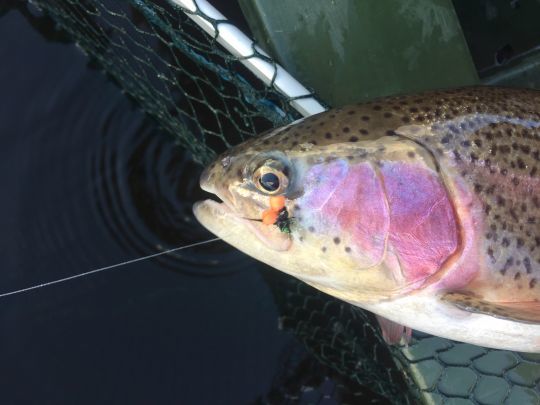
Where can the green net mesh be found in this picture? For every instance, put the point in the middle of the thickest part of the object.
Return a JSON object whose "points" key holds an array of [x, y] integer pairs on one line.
{"points": [[207, 101], [179, 75]]}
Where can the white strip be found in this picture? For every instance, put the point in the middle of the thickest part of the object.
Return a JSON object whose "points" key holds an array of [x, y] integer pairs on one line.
{"points": [[238, 44]]}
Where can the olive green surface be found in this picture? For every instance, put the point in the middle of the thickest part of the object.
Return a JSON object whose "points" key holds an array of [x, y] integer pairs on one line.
{"points": [[350, 50]]}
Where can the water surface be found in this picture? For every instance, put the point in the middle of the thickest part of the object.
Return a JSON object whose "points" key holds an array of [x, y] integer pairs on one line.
{"points": [[88, 181]]}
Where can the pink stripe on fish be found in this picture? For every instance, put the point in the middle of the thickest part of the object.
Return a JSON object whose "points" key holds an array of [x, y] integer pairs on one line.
{"points": [[423, 229], [352, 205], [322, 181]]}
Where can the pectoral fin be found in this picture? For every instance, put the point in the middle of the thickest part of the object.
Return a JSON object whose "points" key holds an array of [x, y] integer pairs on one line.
{"points": [[526, 312], [393, 332]]}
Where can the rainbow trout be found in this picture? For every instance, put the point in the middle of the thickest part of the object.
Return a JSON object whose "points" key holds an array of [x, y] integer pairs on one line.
{"points": [[423, 209]]}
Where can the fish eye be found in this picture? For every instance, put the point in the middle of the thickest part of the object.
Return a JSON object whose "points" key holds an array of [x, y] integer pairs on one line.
{"points": [[270, 178], [269, 181]]}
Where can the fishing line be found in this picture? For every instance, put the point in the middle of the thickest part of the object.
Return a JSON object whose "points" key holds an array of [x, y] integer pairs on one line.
{"points": [[100, 269]]}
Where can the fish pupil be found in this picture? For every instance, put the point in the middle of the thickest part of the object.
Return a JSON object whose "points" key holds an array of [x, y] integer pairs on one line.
{"points": [[269, 181]]}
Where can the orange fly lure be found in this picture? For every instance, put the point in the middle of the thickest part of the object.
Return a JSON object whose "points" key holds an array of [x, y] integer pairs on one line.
{"points": [[277, 214]]}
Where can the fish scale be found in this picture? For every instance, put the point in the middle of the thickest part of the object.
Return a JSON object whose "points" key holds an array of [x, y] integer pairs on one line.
{"points": [[494, 147]]}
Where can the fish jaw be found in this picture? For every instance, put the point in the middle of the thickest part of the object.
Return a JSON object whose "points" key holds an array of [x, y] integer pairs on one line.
{"points": [[221, 220], [224, 223]]}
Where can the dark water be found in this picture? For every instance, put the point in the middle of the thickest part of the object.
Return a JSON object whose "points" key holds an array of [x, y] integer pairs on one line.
{"points": [[88, 181]]}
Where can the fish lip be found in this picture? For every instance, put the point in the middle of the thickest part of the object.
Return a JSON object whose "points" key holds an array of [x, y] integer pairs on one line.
{"points": [[265, 234], [223, 206]]}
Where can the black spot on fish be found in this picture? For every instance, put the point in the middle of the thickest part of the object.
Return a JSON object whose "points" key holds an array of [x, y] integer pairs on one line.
{"points": [[347, 249], [513, 214], [353, 139], [527, 265], [328, 135], [337, 240], [411, 154], [490, 254], [509, 262]]}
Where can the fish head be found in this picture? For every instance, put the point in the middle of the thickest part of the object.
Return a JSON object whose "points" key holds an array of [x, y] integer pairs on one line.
{"points": [[238, 178], [338, 215]]}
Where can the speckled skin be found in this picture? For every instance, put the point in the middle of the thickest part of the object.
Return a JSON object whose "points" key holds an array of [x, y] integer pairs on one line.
{"points": [[484, 144]]}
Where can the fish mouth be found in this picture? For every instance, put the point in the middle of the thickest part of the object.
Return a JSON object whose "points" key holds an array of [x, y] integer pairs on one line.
{"points": [[221, 219], [224, 221]]}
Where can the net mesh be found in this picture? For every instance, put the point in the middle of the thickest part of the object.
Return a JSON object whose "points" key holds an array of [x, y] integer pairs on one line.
{"points": [[207, 101], [179, 75]]}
